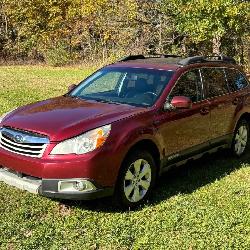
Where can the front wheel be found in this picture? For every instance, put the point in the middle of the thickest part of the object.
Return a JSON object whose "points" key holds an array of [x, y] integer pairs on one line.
{"points": [[136, 179], [240, 141]]}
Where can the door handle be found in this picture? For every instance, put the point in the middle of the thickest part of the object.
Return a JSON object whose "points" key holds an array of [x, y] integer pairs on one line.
{"points": [[157, 122], [236, 101], [205, 111]]}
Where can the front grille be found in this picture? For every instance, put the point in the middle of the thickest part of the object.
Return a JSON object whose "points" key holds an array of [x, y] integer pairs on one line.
{"points": [[22, 142]]}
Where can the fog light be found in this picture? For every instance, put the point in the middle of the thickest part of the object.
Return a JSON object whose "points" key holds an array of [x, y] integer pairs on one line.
{"points": [[80, 185], [75, 186]]}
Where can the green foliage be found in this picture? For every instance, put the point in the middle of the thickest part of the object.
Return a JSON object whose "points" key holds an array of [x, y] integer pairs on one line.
{"points": [[92, 29], [57, 55], [210, 20]]}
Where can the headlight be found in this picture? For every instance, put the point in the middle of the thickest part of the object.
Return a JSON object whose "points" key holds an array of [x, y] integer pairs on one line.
{"points": [[4, 115], [84, 143]]}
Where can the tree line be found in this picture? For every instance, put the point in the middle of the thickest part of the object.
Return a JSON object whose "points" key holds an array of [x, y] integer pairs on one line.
{"points": [[63, 31]]}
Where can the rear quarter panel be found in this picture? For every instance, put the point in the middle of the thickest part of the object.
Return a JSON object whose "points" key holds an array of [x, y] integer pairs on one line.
{"points": [[243, 107]]}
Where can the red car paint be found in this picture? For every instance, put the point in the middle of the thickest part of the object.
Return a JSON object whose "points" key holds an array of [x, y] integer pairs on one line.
{"points": [[171, 132]]}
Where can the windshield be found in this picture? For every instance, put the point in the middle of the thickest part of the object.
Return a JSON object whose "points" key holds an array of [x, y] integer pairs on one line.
{"points": [[133, 86]]}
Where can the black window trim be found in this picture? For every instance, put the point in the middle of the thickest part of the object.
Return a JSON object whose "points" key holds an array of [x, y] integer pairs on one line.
{"points": [[202, 85]]}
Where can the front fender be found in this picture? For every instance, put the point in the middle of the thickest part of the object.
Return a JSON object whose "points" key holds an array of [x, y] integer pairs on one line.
{"points": [[126, 135]]}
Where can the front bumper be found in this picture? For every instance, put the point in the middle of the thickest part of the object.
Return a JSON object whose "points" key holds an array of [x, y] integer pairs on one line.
{"points": [[49, 187], [96, 165]]}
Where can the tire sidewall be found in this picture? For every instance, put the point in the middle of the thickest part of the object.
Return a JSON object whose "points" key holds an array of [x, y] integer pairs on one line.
{"points": [[120, 196], [240, 123]]}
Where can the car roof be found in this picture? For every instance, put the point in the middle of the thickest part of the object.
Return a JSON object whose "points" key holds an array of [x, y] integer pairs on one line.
{"points": [[150, 63], [173, 62], [146, 64]]}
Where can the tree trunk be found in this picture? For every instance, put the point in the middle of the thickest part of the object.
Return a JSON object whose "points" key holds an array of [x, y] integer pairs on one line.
{"points": [[216, 44], [160, 37], [183, 46], [242, 59]]}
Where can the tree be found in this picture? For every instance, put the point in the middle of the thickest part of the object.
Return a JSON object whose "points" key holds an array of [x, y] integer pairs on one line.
{"points": [[210, 20], [72, 30]]}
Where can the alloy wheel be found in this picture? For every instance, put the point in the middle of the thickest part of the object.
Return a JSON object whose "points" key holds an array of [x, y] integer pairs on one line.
{"points": [[241, 138], [137, 180]]}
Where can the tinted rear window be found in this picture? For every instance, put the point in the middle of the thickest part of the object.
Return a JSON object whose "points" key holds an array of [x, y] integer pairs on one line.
{"points": [[215, 83]]}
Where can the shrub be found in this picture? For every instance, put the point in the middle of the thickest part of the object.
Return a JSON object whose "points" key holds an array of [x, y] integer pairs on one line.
{"points": [[57, 55]]}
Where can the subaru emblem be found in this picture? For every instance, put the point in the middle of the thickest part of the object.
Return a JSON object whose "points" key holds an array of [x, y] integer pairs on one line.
{"points": [[18, 138]]}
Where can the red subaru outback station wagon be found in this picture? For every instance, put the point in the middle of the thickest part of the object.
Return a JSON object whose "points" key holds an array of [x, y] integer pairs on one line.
{"points": [[122, 127]]}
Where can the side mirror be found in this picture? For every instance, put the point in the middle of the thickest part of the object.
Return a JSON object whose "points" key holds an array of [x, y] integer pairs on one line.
{"points": [[71, 87], [181, 102], [178, 102]]}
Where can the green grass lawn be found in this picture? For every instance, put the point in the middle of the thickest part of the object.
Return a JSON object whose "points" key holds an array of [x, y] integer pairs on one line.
{"points": [[202, 205]]}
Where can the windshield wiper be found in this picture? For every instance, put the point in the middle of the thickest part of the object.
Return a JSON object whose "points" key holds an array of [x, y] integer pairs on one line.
{"points": [[72, 96], [106, 101], [100, 100]]}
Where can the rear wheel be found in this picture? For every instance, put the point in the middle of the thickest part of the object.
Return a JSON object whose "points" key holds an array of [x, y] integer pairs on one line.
{"points": [[240, 142], [136, 179]]}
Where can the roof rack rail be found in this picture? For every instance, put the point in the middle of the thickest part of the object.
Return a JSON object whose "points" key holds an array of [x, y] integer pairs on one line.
{"points": [[224, 58], [163, 55], [135, 57], [131, 57], [203, 59]]}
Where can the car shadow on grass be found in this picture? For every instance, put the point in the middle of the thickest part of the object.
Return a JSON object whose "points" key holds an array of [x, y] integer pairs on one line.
{"points": [[196, 174], [182, 180]]}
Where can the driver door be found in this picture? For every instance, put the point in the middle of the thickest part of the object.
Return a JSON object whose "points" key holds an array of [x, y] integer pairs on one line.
{"points": [[185, 131]]}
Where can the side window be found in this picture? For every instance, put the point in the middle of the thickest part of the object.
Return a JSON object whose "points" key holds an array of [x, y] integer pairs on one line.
{"points": [[188, 85], [236, 79], [215, 82]]}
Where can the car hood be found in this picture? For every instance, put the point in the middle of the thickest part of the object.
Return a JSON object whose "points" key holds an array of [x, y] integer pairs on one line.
{"points": [[63, 117]]}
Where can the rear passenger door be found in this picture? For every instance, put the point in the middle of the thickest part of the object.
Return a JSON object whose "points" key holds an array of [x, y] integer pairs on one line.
{"points": [[222, 110]]}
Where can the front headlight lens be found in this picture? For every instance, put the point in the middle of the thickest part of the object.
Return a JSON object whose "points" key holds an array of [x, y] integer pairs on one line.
{"points": [[84, 143]]}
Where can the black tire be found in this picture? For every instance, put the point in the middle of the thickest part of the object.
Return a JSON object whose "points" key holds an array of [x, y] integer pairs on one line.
{"points": [[120, 197], [238, 140]]}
